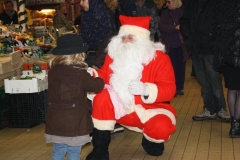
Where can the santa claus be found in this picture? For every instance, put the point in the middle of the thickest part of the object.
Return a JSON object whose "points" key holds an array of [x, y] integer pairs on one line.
{"points": [[139, 81]]}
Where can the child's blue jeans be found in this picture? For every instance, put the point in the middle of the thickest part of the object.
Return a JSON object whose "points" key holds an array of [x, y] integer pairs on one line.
{"points": [[59, 151]]}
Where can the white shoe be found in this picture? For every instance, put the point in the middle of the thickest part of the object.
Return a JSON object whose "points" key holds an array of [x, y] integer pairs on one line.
{"points": [[117, 128]]}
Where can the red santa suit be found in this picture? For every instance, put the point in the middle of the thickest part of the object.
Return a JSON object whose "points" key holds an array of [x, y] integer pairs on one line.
{"points": [[150, 115]]}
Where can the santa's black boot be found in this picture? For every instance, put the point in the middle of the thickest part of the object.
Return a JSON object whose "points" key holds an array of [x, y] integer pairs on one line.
{"points": [[100, 141], [153, 149]]}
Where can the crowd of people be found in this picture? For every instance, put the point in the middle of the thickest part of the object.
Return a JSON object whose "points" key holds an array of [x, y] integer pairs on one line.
{"points": [[129, 60]]}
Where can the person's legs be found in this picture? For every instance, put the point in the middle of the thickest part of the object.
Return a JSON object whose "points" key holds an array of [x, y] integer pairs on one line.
{"points": [[156, 131], [104, 121], [103, 113], [173, 57], [176, 56], [237, 106], [193, 72], [73, 152], [180, 70], [215, 80], [59, 151], [100, 140], [233, 99], [206, 91]]}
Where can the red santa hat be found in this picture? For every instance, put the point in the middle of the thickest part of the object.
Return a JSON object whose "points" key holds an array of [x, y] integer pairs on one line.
{"points": [[135, 25]]}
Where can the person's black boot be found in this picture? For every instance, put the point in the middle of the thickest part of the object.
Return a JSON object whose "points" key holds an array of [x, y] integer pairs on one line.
{"points": [[235, 128], [100, 140], [153, 149]]}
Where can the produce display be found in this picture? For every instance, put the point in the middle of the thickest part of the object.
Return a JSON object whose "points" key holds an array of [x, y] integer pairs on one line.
{"points": [[19, 49]]}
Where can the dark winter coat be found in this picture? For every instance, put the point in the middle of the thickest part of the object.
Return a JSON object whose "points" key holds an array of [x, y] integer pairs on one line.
{"points": [[6, 19], [97, 24], [68, 113], [102, 51], [227, 49], [148, 8], [198, 26], [167, 26]]}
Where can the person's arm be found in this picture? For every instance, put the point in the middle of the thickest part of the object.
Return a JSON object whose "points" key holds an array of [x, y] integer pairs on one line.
{"points": [[154, 24], [101, 52], [163, 26], [164, 83], [184, 22], [92, 84], [103, 72], [161, 87]]}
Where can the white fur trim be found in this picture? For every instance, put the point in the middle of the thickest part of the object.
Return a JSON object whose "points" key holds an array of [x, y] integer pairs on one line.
{"points": [[130, 109], [144, 115], [135, 30], [154, 140], [153, 93], [104, 124], [136, 129]]}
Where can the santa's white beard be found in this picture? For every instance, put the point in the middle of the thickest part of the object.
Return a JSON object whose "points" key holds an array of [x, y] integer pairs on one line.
{"points": [[128, 62]]}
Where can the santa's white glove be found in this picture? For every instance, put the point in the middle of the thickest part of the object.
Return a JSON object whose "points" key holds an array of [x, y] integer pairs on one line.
{"points": [[90, 71], [138, 88]]}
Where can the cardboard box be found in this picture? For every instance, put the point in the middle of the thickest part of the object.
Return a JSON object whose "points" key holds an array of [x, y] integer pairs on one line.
{"points": [[5, 67], [28, 60], [8, 66], [25, 86], [11, 62], [16, 73], [14, 57]]}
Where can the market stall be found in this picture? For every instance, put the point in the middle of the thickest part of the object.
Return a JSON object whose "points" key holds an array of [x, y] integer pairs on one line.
{"points": [[25, 50]]}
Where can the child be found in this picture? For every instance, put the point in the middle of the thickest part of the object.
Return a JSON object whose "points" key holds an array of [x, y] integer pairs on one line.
{"points": [[68, 119]]}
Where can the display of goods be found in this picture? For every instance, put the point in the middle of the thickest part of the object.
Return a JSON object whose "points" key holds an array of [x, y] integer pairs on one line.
{"points": [[29, 66], [40, 75]]}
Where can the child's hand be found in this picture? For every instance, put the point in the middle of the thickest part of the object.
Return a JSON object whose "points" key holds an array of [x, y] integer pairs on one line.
{"points": [[90, 96], [92, 72]]}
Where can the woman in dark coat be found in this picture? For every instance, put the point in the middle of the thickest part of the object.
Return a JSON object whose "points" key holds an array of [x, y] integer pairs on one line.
{"points": [[175, 48], [227, 57], [98, 21]]}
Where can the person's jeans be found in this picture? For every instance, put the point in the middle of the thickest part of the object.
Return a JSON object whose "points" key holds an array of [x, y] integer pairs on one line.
{"points": [[59, 151], [210, 82]]}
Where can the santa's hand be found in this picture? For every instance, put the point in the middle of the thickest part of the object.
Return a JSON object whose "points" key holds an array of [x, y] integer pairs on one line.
{"points": [[138, 88]]}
